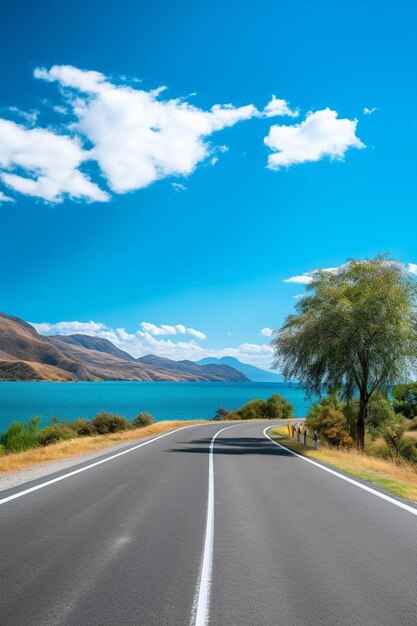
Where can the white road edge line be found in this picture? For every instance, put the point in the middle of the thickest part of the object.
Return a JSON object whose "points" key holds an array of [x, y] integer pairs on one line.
{"points": [[19, 494], [378, 494], [201, 605]]}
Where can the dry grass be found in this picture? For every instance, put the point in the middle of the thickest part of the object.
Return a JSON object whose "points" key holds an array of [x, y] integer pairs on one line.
{"points": [[400, 479], [82, 445]]}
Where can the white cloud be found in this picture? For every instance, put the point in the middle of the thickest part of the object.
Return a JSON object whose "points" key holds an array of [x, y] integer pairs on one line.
{"points": [[144, 342], [307, 277], [153, 329], [266, 332], [4, 198], [30, 117], [60, 109], [302, 279], [412, 268], [178, 187], [69, 328], [278, 107], [370, 111], [196, 333], [137, 137], [50, 164], [166, 329], [70, 76], [321, 134]]}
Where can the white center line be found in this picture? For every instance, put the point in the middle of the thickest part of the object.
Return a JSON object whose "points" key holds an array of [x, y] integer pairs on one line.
{"points": [[200, 615]]}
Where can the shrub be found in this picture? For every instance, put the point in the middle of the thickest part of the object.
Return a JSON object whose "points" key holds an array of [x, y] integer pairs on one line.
{"points": [[21, 436], [317, 408], [400, 447], [233, 416], [55, 432], [277, 407], [380, 450], [82, 427], [405, 399], [105, 423], [331, 423], [408, 449], [255, 409], [221, 414], [142, 420], [2, 450]]}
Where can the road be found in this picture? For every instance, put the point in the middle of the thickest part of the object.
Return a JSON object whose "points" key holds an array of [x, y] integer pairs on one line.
{"points": [[191, 530]]}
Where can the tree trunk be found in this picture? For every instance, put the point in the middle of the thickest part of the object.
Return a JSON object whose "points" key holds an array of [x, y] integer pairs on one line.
{"points": [[360, 425]]}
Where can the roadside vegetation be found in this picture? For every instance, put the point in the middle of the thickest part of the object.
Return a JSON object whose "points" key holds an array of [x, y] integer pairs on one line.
{"points": [[21, 436], [388, 435], [353, 343], [76, 446], [276, 407], [353, 336]]}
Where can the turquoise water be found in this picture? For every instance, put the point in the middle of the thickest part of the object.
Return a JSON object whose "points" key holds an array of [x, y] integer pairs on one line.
{"points": [[166, 401]]}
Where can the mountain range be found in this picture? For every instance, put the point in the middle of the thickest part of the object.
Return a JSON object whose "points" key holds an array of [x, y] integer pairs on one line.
{"points": [[27, 355], [255, 374]]}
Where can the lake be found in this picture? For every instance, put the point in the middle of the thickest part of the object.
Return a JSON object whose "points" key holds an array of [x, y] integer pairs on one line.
{"points": [[166, 401]]}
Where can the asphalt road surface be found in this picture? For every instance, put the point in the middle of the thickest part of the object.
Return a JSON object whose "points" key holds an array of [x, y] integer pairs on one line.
{"points": [[189, 529]]}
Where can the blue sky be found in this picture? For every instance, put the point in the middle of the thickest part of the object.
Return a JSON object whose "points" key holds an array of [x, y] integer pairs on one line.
{"points": [[123, 205]]}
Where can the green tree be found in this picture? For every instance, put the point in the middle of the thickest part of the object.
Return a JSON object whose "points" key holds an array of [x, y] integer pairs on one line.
{"points": [[355, 332], [380, 414], [277, 407], [405, 399]]}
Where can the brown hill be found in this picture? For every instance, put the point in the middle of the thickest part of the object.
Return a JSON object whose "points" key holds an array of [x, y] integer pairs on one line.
{"points": [[210, 372], [27, 370], [19, 341], [96, 343], [26, 355], [107, 366]]}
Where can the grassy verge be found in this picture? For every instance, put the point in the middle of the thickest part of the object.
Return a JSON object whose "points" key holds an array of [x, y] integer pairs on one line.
{"points": [[401, 480], [82, 445]]}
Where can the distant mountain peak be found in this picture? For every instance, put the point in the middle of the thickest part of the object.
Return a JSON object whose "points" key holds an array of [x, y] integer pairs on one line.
{"points": [[255, 374], [211, 372]]}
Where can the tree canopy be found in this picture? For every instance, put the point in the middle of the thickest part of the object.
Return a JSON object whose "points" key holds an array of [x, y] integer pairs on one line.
{"points": [[405, 399], [353, 333]]}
